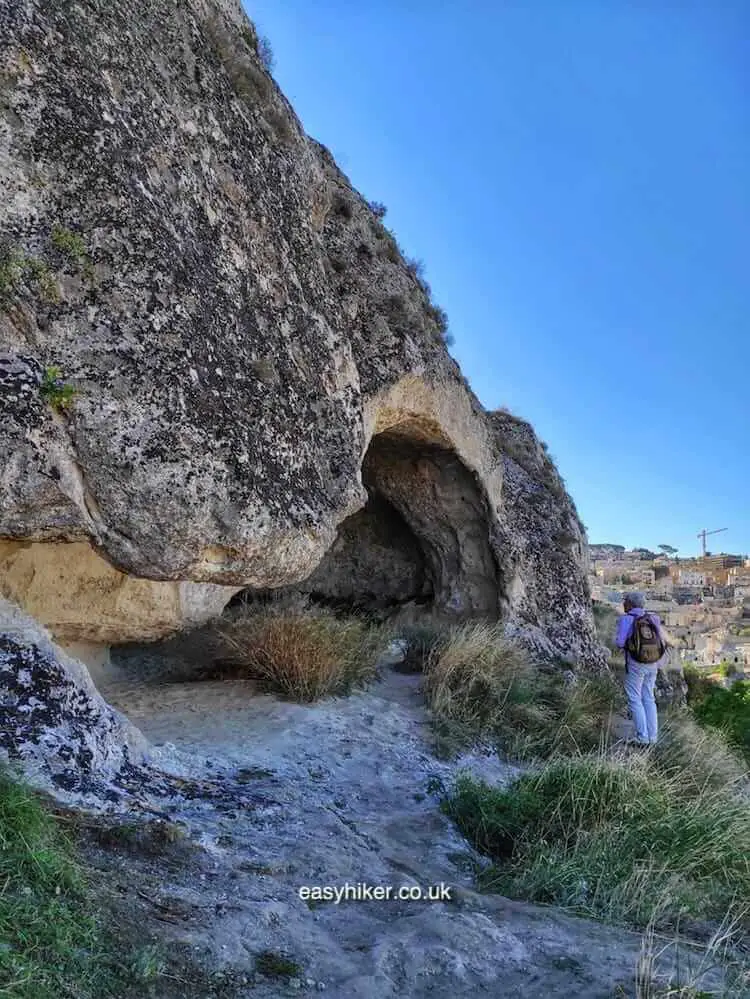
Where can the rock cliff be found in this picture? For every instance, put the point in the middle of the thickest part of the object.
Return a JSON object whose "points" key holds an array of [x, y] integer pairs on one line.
{"points": [[216, 368]]}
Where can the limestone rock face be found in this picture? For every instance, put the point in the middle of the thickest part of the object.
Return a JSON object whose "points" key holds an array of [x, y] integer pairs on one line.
{"points": [[80, 597], [205, 279], [212, 353], [541, 543], [54, 722]]}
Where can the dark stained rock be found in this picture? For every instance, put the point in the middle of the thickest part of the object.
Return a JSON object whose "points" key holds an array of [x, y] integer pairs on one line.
{"points": [[53, 722]]}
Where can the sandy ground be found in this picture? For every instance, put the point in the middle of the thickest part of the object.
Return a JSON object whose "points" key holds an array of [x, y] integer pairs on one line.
{"points": [[348, 793]]}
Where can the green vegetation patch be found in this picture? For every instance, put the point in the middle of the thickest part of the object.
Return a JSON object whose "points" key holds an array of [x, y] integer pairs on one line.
{"points": [[725, 710], [21, 272], [611, 838], [50, 940], [72, 245], [64, 934], [481, 687], [55, 391], [275, 965]]}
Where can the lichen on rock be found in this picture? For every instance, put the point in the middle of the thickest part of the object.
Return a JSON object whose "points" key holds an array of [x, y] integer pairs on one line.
{"points": [[251, 362], [53, 721]]}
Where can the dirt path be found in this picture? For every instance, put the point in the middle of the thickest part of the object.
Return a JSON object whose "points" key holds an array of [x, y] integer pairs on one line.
{"points": [[349, 789]]}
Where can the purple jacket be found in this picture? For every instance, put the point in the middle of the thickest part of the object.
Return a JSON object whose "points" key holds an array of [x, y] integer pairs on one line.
{"points": [[625, 627]]}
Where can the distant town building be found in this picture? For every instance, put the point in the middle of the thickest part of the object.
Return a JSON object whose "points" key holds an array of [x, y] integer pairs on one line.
{"points": [[608, 552], [643, 554], [687, 594], [626, 573], [703, 602], [738, 576], [723, 592], [715, 568]]}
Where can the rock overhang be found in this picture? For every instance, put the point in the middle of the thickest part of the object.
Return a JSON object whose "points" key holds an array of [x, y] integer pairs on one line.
{"points": [[237, 324]]}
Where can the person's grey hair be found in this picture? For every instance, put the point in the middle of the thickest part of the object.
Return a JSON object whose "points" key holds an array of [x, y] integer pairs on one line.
{"points": [[634, 599]]}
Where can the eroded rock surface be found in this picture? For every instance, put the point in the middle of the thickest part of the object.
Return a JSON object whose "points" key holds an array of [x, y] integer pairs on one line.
{"points": [[541, 545], [208, 339], [376, 560], [81, 597], [356, 790]]}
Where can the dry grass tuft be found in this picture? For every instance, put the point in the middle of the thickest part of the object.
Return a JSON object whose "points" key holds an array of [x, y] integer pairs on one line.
{"points": [[481, 686], [701, 758], [670, 969], [301, 654], [476, 675]]}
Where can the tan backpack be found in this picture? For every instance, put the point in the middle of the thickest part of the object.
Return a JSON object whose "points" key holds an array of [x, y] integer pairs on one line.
{"points": [[645, 644]]}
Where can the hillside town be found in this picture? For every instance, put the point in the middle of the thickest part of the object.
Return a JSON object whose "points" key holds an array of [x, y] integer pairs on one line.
{"points": [[704, 602]]}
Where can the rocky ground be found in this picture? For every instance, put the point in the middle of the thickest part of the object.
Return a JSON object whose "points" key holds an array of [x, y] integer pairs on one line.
{"points": [[343, 792]]}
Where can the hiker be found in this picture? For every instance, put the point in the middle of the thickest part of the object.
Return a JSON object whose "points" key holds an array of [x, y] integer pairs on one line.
{"points": [[640, 636]]}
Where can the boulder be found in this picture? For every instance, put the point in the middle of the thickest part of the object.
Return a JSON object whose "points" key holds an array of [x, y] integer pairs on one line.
{"points": [[55, 725]]}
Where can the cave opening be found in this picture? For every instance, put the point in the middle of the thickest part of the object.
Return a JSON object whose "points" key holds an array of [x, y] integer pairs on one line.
{"points": [[421, 539]]}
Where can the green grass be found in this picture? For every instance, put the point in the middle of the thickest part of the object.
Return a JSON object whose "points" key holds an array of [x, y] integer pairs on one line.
{"points": [[274, 965], [50, 939], [68, 242], [672, 969], [61, 934], [21, 272], [58, 393], [613, 838], [700, 758], [73, 246], [725, 710]]}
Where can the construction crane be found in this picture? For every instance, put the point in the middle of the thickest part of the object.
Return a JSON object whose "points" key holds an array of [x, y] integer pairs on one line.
{"points": [[704, 534]]}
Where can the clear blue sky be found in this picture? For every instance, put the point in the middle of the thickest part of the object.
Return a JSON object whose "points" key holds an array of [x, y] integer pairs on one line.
{"points": [[576, 177]]}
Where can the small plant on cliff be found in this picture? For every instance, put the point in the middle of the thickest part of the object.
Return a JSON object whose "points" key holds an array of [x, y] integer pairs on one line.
{"points": [[250, 83], [19, 271], [378, 209], [69, 243], [43, 280], [440, 317], [302, 654], [416, 267], [259, 44], [265, 54], [11, 271], [55, 391], [72, 245]]}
